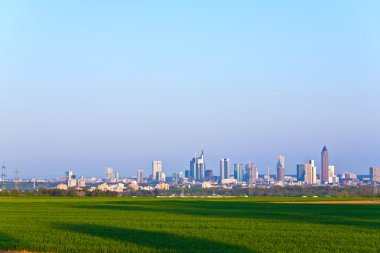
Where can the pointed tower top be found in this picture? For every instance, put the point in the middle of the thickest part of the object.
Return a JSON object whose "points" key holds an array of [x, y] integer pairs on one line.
{"points": [[324, 149]]}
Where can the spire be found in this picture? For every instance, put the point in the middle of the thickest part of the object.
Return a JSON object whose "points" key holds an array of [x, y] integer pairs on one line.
{"points": [[324, 149]]}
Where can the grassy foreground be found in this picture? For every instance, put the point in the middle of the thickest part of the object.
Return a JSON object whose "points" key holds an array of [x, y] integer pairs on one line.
{"points": [[186, 225]]}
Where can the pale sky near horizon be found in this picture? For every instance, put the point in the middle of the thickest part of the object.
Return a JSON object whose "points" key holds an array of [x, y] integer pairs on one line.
{"points": [[90, 84]]}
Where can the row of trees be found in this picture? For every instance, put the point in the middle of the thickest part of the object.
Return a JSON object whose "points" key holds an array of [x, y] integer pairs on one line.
{"points": [[277, 191]]}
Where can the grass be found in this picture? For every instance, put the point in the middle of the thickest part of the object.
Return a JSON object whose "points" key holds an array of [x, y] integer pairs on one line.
{"points": [[186, 225]]}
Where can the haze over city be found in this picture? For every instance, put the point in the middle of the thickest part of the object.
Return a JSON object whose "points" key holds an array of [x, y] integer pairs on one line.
{"points": [[84, 87]]}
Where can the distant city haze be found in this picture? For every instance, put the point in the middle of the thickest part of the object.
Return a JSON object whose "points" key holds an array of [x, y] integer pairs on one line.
{"points": [[86, 85]]}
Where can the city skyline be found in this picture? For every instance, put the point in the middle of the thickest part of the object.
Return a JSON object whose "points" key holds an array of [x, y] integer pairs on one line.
{"points": [[132, 83], [197, 169], [189, 126]]}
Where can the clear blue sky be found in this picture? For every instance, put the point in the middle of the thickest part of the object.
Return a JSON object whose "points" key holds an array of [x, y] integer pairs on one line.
{"points": [[90, 84]]}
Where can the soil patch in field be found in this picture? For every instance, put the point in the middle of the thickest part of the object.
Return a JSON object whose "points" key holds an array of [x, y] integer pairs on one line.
{"points": [[14, 251], [346, 202]]}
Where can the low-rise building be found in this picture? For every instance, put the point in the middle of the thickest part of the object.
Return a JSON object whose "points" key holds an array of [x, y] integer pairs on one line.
{"points": [[134, 186], [61, 187], [163, 186]]}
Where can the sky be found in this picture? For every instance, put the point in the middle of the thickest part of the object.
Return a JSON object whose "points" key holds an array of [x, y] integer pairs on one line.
{"points": [[89, 84]]}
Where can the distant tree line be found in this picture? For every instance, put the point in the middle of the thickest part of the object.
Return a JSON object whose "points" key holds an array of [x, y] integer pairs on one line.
{"points": [[277, 191]]}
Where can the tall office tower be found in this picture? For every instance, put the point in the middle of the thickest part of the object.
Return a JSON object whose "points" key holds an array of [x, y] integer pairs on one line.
{"points": [[198, 167], [307, 172], [81, 182], [300, 172], [160, 176], [281, 168], [208, 175], [313, 172], [69, 174], [156, 167], [324, 166], [251, 173], [224, 168], [175, 178], [71, 179], [332, 175], [239, 172], [109, 174], [140, 178], [374, 174]]}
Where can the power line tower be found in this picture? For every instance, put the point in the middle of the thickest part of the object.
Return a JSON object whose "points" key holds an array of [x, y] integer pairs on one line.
{"points": [[16, 180], [3, 177], [250, 190], [375, 193]]}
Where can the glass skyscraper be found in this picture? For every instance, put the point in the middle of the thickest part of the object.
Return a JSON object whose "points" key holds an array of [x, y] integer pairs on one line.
{"points": [[224, 168]]}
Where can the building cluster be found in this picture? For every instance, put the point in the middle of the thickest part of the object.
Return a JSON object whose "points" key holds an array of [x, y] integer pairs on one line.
{"points": [[199, 176], [243, 175]]}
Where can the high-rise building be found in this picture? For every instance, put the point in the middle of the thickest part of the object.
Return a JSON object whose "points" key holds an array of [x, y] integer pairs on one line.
{"points": [[70, 175], [311, 176], [251, 173], [332, 176], [208, 175], [300, 172], [71, 179], [224, 168], [307, 172], [175, 178], [198, 167], [110, 174], [281, 168], [160, 176], [375, 174], [156, 167], [140, 178], [324, 166], [239, 172], [81, 182]]}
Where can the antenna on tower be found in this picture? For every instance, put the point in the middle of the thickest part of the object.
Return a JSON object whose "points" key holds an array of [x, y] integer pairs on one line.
{"points": [[16, 180], [268, 175], [3, 177]]}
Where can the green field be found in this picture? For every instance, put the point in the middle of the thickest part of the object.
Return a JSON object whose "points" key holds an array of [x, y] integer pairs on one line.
{"points": [[186, 225]]}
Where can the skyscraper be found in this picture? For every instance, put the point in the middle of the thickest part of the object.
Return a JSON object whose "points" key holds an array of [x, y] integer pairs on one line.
{"points": [[281, 168], [160, 176], [140, 178], [70, 175], [324, 166], [156, 167], [71, 179], [307, 172], [208, 175], [224, 168], [239, 172], [374, 174], [198, 167], [110, 174], [251, 173], [332, 176]]}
